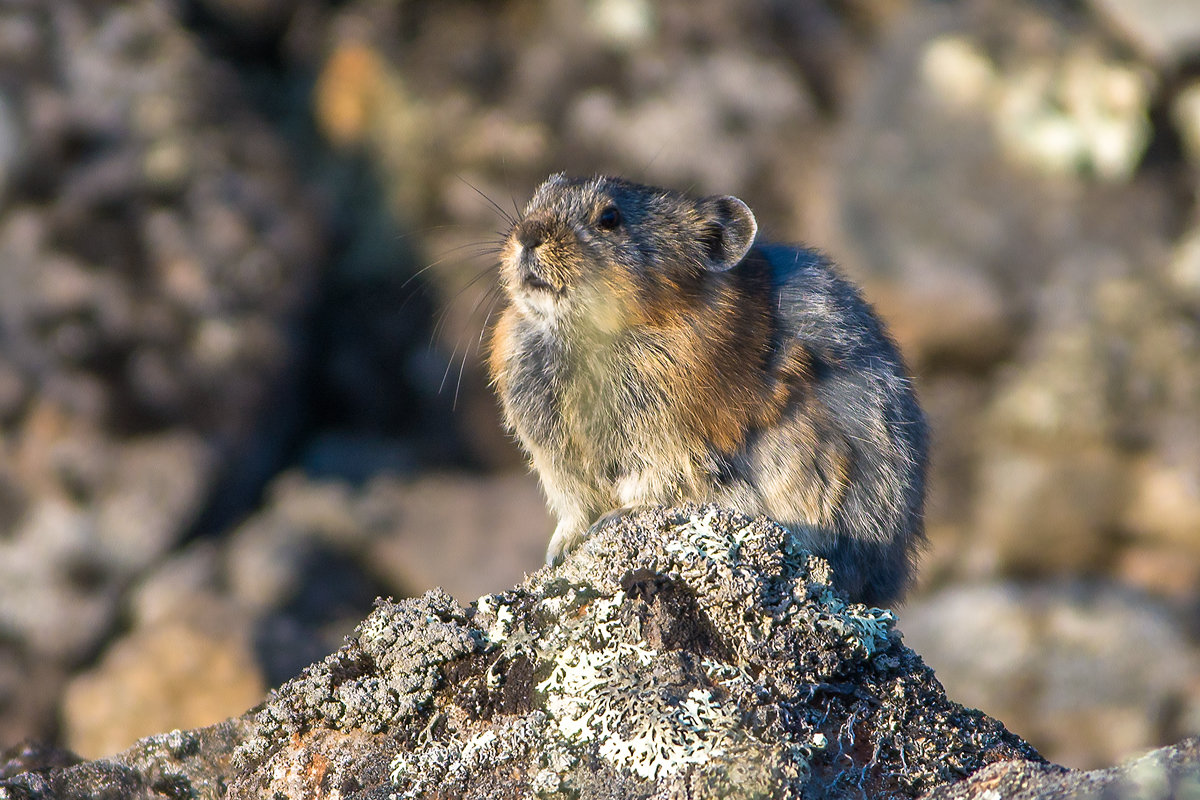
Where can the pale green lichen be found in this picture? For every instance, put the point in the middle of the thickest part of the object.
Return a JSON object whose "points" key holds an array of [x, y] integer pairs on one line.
{"points": [[598, 692], [701, 537], [704, 539], [869, 628]]}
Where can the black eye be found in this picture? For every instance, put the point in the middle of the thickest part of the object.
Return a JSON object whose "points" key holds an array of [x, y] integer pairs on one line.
{"points": [[609, 219]]}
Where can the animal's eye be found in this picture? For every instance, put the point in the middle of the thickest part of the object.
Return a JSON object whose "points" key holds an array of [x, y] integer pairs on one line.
{"points": [[609, 219]]}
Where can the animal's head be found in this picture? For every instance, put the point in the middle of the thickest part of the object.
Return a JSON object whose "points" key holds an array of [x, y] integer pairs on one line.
{"points": [[605, 253]]}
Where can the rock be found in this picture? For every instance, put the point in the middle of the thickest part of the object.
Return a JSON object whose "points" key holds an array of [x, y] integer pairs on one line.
{"points": [[465, 534], [30, 690], [1088, 674], [681, 650], [287, 586], [1183, 269], [1167, 31], [1043, 512], [1063, 113], [162, 677], [688, 650], [1171, 773], [1039, 299], [11, 144], [33, 757], [677, 649], [168, 765], [253, 19]]}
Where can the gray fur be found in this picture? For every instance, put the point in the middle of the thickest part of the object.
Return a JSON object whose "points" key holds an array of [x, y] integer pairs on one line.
{"points": [[648, 363]]}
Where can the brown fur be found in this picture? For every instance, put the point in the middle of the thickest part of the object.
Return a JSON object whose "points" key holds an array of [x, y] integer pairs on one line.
{"points": [[650, 354]]}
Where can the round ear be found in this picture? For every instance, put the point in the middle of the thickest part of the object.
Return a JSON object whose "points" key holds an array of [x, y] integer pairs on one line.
{"points": [[729, 230]]}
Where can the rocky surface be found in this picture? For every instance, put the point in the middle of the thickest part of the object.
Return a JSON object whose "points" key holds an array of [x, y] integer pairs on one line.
{"points": [[1171, 773], [1013, 182], [689, 650], [212, 627]]}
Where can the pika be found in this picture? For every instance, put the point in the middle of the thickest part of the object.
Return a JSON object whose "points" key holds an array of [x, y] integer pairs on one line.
{"points": [[652, 351]]}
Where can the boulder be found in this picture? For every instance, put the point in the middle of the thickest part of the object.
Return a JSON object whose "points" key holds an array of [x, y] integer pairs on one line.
{"points": [[684, 652]]}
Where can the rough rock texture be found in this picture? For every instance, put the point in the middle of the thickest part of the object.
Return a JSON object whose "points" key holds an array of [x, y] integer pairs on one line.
{"points": [[214, 625], [168, 766], [679, 651]]}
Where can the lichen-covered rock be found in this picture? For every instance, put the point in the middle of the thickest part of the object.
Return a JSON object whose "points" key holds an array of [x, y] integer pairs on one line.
{"points": [[168, 766], [684, 651], [691, 652]]}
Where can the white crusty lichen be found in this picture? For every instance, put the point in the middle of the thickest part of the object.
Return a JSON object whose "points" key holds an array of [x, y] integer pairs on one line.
{"points": [[704, 539], [701, 536], [492, 607], [599, 692], [868, 628], [447, 768], [680, 703]]}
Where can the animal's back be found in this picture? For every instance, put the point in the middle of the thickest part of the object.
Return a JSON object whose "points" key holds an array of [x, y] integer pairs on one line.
{"points": [[865, 386]]}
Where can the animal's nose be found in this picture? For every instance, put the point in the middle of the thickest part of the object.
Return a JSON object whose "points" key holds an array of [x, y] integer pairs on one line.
{"points": [[531, 233]]}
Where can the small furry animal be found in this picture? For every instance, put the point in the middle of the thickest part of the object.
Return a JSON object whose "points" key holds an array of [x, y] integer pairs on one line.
{"points": [[653, 352]]}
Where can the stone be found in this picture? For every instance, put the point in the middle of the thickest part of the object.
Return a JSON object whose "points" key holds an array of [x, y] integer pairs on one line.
{"points": [[678, 650], [158, 250], [466, 534], [1087, 673], [159, 678], [1170, 773]]}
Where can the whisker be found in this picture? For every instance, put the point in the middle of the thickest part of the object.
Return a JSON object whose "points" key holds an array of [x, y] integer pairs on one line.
{"points": [[462, 367], [443, 315], [449, 364], [493, 249], [499, 209], [424, 288], [497, 294], [493, 296]]}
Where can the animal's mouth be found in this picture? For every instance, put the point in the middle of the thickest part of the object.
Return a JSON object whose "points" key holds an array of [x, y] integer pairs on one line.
{"points": [[535, 283], [531, 278]]}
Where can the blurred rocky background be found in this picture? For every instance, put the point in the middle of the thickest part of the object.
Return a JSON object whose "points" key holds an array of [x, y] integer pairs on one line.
{"points": [[247, 253]]}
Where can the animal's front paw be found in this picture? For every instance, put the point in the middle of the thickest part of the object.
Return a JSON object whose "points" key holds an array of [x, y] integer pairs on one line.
{"points": [[565, 539], [607, 519]]}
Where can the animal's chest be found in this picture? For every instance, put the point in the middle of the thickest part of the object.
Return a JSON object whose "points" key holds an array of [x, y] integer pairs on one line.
{"points": [[596, 412]]}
